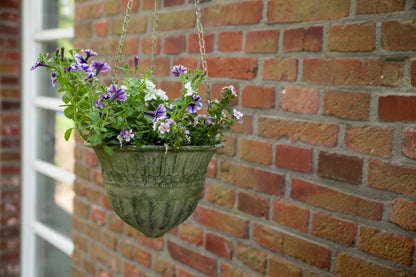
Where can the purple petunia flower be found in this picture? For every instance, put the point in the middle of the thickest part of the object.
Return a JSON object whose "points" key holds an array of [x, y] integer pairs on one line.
{"points": [[194, 107], [85, 67], [54, 78], [177, 70], [159, 113], [100, 66], [99, 103], [37, 64], [121, 135], [72, 67], [80, 59], [116, 93], [89, 53]]}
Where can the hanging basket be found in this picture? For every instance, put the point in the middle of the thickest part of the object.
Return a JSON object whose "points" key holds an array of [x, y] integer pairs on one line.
{"points": [[152, 189]]}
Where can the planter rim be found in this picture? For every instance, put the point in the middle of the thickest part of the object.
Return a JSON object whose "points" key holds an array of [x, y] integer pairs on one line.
{"points": [[160, 148]]}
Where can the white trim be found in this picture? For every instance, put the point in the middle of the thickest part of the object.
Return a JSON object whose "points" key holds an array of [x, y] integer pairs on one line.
{"points": [[54, 172], [61, 242], [49, 103], [31, 38], [53, 34]]}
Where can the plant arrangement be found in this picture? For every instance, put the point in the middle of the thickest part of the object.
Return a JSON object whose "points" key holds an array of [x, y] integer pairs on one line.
{"points": [[134, 111]]}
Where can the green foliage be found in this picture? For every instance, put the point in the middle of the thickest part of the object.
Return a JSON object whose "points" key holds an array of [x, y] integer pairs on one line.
{"points": [[134, 111]]}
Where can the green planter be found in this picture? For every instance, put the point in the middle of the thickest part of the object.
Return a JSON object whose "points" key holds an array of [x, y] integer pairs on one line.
{"points": [[153, 190]]}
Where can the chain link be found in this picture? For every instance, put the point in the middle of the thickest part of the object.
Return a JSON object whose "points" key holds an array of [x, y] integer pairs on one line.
{"points": [[122, 41], [202, 48], [154, 38]]}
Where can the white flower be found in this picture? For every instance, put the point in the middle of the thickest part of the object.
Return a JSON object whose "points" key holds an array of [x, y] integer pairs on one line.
{"points": [[162, 94], [189, 90], [150, 96]]}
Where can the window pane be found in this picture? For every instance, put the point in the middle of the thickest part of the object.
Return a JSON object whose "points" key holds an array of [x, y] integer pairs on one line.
{"points": [[52, 146], [54, 204], [51, 261], [45, 87], [58, 13]]}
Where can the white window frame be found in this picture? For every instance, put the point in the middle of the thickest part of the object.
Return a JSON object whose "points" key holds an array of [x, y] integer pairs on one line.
{"points": [[32, 37]]}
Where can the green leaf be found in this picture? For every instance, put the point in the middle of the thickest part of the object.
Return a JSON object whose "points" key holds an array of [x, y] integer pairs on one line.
{"points": [[69, 112], [95, 139], [109, 151], [68, 133], [95, 116]]}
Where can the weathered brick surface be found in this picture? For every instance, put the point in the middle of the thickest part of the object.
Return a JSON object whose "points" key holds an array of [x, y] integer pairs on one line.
{"points": [[317, 181]]}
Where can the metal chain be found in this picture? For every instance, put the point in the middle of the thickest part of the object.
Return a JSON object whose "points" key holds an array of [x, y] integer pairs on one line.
{"points": [[122, 41], [202, 48], [154, 38]]}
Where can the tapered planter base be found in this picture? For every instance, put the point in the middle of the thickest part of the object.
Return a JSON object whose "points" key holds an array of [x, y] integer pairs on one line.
{"points": [[151, 189]]}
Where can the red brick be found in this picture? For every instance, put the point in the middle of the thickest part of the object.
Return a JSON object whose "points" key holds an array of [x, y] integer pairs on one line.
{"points": [[253, 204], [219, 245], [293, 157], [334, 229], [340, 167], [111, 7], [230, 41], [301, 39], [258, 96], [352, 72], [279, 267], [240, 13], [192, 258], [193, 43], [228, 271], [397, 108], [283, 214], [154, 243], [130, 270], [386, 245], [246, 127], [176, 20], [258, 151], [375, 6], [404, 214], [220, 195], [183, 273], [369, 140], [253, 258], [174, 44], [233, 67], [335, 200], [351, 266], [409, 142], [294, 11], [352, 37], [413, 73], [146, 45], [310, 132], [296, 247], [190, 233], [101, 28], [142, 256], [97, 215], [393, 177], [89, 157], [346, 104], [280, 69], [169, 3], [262, 41], [399, 35], [250, 177], [114, 223], [164, 267], [88, 11], [225, 222], [300, 100], [230, 144]]}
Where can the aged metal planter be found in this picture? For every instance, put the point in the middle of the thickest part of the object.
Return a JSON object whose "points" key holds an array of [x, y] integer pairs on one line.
{"points": [[154, 190]]}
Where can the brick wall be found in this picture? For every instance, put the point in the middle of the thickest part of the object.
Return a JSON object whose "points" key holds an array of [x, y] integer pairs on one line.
{"points": [[319, 180], [9, 137]]}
